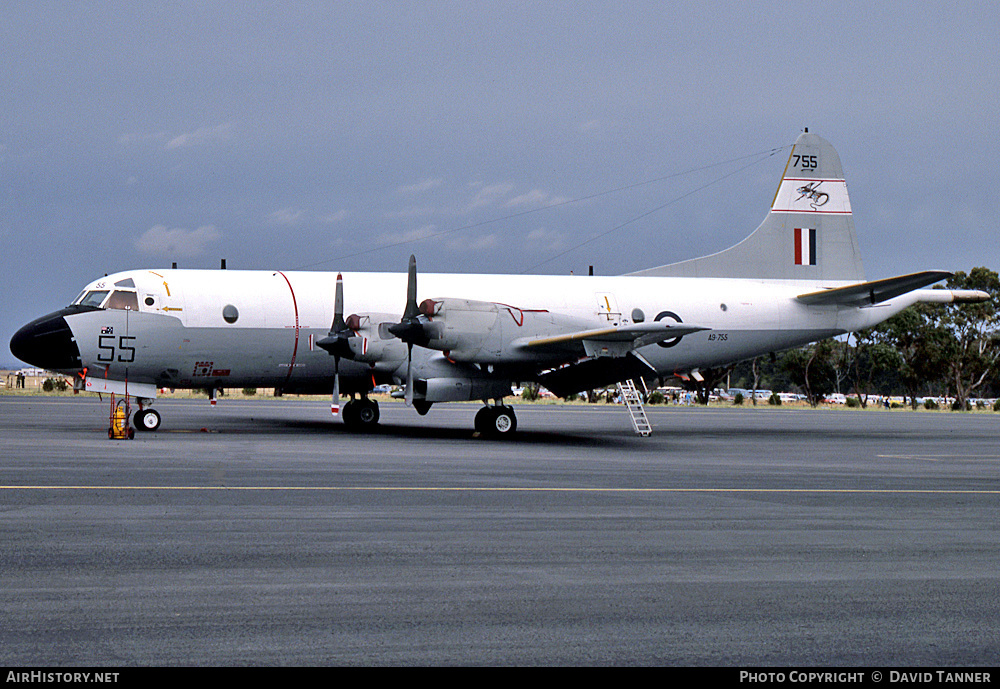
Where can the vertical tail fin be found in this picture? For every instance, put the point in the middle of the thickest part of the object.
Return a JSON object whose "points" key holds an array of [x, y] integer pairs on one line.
{"points": [[807, 235]]}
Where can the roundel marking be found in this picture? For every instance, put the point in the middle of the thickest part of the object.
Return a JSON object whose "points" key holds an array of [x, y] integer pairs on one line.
{"points": [[672, 342]]}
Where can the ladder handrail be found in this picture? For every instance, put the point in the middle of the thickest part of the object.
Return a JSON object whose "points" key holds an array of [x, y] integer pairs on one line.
{"points": [[633, 402]]}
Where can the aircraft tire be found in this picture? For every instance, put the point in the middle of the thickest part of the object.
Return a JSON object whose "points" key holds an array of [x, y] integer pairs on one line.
{"points": [[147, 420], [349, 414], [482, 420], [496, 422], [368, 413], [504, 422], [361, 415]]}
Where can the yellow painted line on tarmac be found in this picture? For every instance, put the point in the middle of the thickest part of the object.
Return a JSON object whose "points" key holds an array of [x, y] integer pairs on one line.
{"points": [[525, 489], [935, 458]]}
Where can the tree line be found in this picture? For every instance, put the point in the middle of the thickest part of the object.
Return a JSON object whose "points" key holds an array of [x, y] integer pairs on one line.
{"points": [[927, 350]]}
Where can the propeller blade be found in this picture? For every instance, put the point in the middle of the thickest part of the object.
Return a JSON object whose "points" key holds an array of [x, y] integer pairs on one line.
{"points": [[410, 328], [338, 307], [335, 404], [412, 309], [336, 340], [409, 376]]}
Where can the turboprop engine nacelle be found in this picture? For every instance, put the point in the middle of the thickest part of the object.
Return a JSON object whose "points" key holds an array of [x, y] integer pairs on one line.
{"points": [[371, 343], [480, 331]]}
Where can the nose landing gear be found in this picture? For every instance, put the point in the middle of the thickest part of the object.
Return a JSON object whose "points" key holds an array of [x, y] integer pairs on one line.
{"points": [[147, 419]]}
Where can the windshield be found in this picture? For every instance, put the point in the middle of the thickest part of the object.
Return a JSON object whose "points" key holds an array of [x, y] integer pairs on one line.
{"points": [[123, 300], [93, 298]]}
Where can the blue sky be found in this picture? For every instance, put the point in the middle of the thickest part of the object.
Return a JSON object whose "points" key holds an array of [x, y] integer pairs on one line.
{"points": [[347, 135]]}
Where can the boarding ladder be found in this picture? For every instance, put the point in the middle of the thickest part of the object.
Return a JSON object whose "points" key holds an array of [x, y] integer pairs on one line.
{"points": [[632, 400]]}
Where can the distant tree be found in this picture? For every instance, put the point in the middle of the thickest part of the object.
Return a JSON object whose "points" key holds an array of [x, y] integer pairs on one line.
{"points": [[919, 346], [755, 370], [811, 369], [530, 392], [711, 378], [956, 346], [974, 346], [868, 356]]}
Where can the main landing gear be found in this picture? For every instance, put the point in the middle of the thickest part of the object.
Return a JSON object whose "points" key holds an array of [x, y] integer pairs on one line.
{"points": [[497, 421], [360, 414]]}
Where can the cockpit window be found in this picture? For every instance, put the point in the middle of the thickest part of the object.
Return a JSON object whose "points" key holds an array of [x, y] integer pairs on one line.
{"points": [[127, 282], [93, 298], [123, 300]]}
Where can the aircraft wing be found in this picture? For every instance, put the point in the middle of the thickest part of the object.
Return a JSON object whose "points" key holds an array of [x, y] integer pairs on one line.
{"points": [[612, 341], [874, 291]]}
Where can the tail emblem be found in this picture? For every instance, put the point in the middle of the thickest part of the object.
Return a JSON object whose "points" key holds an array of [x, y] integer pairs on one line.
{"points": [[816, 197]]}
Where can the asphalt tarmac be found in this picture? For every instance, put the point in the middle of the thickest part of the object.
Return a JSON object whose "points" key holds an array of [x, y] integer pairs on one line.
{"points": [[263, 533]]}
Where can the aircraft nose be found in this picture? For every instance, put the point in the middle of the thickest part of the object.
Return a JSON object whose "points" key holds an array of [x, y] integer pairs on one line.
{"points": [[48, 343]]}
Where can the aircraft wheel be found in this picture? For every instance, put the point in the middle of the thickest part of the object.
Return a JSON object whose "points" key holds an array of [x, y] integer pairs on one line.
{"points": [[367, 414], [504, 421], [350, 413], [496, 422], [147, 420], [482, 420], [361, 414]]}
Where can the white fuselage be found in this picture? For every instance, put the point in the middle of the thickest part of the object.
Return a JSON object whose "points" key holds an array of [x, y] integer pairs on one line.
{"points": [[200, 328]]}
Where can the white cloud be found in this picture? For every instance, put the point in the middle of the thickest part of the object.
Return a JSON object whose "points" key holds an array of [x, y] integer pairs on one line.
{"points": [[132, 139], [537, 197], [419, 187], [408, 235], [177, 242], [331, 218], [409, 212], [546, 240], [532, 198], [286, 216], [201, 136], [482, 243], [488, 195]]}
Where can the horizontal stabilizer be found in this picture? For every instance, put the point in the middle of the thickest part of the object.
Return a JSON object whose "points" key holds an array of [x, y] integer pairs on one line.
{"points": [[874, 291]]}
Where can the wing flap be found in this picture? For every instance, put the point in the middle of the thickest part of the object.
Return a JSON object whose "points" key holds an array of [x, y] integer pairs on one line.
{"points": [[613, 341]]}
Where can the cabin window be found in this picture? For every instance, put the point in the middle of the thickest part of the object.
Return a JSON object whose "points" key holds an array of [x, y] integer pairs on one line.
{"points": [[123, 301], [93, 298]]}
